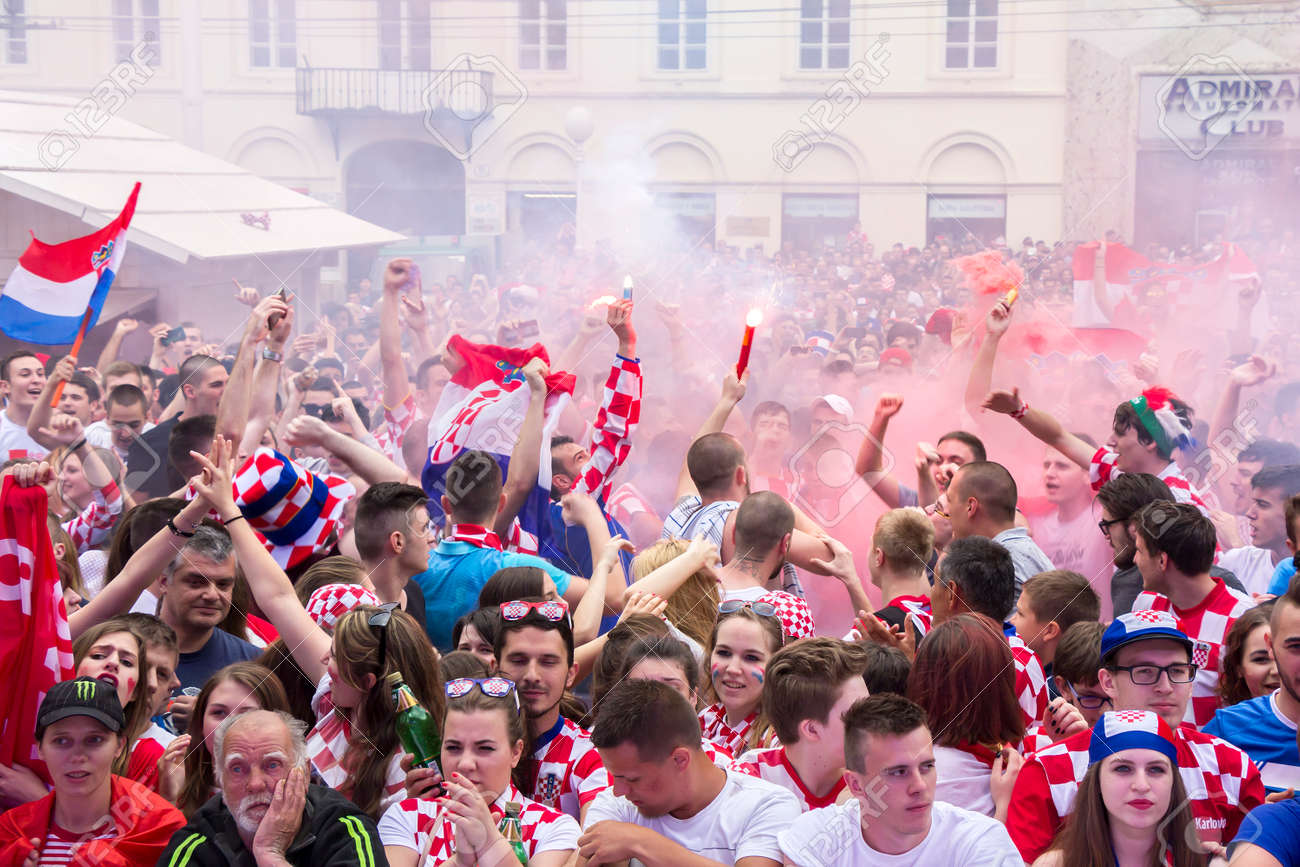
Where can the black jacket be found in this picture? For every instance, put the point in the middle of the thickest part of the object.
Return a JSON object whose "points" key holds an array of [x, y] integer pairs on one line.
{"points": [[334, 833]]}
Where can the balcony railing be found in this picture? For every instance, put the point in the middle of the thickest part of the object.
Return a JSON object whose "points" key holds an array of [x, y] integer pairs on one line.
{"points": [[324, 90]]}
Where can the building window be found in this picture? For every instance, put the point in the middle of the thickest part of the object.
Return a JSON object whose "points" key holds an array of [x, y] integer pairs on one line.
{"points": [[410, 17], [136, 21], [15, 27], [543, 34], [972, 41], [272, 33], [824, 34], [681, 34]]}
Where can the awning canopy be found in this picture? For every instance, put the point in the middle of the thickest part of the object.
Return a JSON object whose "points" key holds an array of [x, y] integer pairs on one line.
{"points": [[192, 205]]}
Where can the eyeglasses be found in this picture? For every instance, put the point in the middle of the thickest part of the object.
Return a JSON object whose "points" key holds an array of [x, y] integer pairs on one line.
{"points": [[1145, 675], [553, 610], [322, 411], [731, 606], [494, 687], [381, 618], [1104, 526], [1089, 701]]}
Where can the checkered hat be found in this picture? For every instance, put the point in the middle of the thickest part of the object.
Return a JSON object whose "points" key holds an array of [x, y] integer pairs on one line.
{"points": [[1118, 730], [293, 509], [331, 601], [1139, 626], [796, 617]]}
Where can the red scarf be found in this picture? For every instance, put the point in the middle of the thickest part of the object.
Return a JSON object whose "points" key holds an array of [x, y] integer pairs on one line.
{"points": [[144, 825], [479, 537]]}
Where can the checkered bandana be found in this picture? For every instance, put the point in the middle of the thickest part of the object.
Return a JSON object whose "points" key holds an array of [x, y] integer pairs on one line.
{"points": [[796, 617], [1119, 730]]}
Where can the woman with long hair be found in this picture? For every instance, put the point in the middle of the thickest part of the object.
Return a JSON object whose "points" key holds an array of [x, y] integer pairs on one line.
{"points": [[186, 774], [743, 639], [113, 652], [1247, 669], [484, 737], [965, 679], [1131, 809], [692, 604]]}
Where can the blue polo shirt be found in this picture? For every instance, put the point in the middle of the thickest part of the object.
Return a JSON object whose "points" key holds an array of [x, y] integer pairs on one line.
{"points": [[1258, 727], [457, 572]]}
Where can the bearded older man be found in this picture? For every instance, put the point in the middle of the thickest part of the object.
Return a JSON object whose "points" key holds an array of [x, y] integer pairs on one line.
{"points": [[267, 814]]}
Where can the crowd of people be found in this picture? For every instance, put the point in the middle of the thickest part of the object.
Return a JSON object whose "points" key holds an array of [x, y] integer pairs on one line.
{"points": [[934, 580]]}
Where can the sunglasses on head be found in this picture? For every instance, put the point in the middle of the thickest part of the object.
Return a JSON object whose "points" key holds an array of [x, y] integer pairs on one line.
{"points": [[495, 687], [381, 619], [731, 606], [553, 610]]}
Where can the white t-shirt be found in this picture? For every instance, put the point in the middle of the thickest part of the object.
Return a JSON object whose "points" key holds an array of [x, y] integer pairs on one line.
{"points": [[14, 441], [963, 780], [146, 604], [1076, 545], [100, 435], [745, 594], [832, 837], [741, 822], [1252, 566]]}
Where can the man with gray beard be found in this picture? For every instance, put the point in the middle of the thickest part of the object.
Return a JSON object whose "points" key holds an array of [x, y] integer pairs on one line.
{"points": [[267, 814]]}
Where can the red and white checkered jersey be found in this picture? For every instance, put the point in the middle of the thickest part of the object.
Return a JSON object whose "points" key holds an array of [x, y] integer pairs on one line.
{"points": [[1103, 469], [327, 743], [773, 765], [397, 421], [568, 772], [611, 442], [1031, 681], [90, 528], [1206, 625], [627, 502], [720, 756], [421, 824], [1222, 785], [714, 725]]}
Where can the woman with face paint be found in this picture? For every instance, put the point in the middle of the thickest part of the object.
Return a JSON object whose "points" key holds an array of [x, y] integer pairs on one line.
{"points": [[744, 638]]}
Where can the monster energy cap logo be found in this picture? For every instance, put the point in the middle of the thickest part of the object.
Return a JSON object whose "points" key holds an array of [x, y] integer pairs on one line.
{"points": [[81, 697]]}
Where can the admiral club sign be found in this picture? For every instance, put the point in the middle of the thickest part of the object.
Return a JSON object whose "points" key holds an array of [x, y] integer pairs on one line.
{"points": [[1247, 108]]}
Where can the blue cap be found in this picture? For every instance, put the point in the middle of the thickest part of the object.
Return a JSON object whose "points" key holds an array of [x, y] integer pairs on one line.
{"points": [[1139, 626], [1119, 730]]}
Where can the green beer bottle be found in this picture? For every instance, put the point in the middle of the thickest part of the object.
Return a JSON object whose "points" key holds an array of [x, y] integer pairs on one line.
{"points": [[513, 832], [416, 727]]}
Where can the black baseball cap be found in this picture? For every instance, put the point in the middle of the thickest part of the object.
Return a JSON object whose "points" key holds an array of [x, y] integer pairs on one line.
{"points": [[83, 696]]}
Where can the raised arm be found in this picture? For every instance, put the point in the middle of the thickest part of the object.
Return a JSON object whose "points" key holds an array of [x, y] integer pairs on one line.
{"points": [[399, 274], [733, 390], [38, 422], [668, 578], [237, 397], [608, 569], [113, 347], [980, 381], [873, 446], [1252, 372], [271, 588], [1100, 292], [145, 565], [619, 411], [1042, 425], [371, 465], [266, 382], [526, 456]]}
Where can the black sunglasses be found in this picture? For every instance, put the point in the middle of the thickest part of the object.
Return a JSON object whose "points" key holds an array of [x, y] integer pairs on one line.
{"points": [[381, 618]]}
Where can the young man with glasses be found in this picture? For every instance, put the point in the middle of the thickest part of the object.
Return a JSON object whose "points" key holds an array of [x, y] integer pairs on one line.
{"points": [[1146, 665], [1175, 548], [534, 648], [1074, 670]]}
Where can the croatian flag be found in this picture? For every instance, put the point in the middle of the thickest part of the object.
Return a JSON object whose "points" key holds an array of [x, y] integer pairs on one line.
{"points": [[55, 284], [483, 406], [820, 342]]}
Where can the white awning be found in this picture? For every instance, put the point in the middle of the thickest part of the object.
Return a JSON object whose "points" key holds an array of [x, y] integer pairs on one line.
{"points": [[192, 205]]}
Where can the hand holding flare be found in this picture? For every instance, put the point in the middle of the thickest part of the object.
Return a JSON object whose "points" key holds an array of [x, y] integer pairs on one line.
{"points": [[752, 321]]}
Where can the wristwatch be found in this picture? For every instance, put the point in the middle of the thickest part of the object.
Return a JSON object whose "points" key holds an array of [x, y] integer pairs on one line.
{"points": [[272, 355]]}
